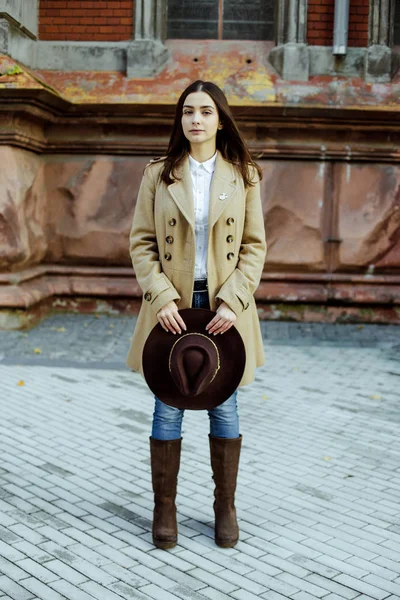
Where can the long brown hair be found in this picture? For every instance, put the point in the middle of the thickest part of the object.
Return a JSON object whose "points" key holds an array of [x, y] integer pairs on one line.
{"points": [[229, 140]]}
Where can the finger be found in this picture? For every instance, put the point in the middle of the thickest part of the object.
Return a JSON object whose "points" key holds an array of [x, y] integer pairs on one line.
{"points": [[217, 324], [165, 325], [162, 325], [213, 322], [227, 327], [173, 324], [180, 321], [217, 327]]}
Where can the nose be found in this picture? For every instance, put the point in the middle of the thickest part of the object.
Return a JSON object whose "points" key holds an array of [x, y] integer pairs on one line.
{"points": [[195, 119]]}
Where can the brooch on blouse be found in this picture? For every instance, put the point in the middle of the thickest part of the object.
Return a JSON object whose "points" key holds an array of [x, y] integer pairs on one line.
{"points": [[223, 196]]}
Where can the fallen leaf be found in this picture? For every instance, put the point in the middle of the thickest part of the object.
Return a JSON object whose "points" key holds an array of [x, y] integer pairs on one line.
{"points": [[376, 397], [21, 382], [111, 326], [327, 458], [37, 351], [60, 329], [360, 326], [265, 397]]}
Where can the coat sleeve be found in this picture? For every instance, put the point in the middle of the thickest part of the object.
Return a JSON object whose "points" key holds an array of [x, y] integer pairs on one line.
{"points": [[156, 287], [240, 286]]}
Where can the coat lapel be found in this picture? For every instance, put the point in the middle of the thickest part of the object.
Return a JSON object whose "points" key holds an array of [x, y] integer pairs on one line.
{"points": [[182, 192], [222, 191]]}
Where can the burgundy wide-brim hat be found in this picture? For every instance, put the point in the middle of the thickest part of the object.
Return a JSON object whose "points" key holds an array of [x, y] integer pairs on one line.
{"points": [[193, 370]]}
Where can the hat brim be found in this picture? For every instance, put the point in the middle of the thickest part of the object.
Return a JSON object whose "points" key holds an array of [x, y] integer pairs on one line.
{"points": [[156, 359]]}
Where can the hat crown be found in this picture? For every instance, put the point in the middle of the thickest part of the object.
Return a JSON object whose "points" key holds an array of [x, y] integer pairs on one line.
{"points": [[193, 363], [177, 371]]}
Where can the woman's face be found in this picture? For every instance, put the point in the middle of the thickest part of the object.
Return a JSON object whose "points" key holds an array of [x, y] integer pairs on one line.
{"points": [[200, 119]]}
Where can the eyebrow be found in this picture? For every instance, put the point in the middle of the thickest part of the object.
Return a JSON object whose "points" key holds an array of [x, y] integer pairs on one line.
{"points": [[188, 106]]}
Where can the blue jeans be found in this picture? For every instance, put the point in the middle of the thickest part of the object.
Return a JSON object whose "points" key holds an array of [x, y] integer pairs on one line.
{"points": [[224, 419]]}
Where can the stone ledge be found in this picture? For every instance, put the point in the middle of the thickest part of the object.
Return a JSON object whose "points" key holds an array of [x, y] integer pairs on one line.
{"points": [[19, 319], [298, 62], [47, 124], [28, 288]]}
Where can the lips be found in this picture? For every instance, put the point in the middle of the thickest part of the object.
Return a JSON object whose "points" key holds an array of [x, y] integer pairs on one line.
{"points": [[196, 130]]}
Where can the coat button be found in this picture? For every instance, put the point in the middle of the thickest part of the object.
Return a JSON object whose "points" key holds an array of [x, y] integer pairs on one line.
{"points": [[172, 222], [230, 256], [229, 239], [147, 296], [167, 256], [169, 239], [230, 220]]}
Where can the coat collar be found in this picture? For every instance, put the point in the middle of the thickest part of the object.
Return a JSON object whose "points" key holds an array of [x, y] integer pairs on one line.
{"points": [[222, 190]]}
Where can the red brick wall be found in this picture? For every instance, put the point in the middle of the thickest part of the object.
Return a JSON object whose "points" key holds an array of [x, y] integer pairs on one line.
{"points": [[111, 20], [320, 22]]}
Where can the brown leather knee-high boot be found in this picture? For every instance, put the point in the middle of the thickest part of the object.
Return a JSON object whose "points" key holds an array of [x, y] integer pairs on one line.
{"points": [[165, 460], [225, 455]]}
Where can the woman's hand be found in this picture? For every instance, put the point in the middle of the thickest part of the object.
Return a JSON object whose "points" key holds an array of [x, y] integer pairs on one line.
{"points": [[170, 319], [223, 320]]}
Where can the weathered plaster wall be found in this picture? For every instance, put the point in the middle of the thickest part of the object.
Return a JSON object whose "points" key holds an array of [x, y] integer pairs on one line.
{"points": [[78, 211], [368, 204], [23, 210], [90, 203], [333, 230]]}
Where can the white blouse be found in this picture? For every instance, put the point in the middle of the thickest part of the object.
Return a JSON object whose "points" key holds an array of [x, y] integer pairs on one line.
{"points": [[201, 179]]}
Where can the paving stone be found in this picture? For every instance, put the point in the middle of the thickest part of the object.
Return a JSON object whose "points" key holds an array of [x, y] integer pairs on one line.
{"points": [[318, 486], [13, 589], [362, 586]]}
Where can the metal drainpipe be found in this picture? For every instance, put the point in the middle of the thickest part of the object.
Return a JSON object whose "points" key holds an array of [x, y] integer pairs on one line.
{"points": [[341, 27]]}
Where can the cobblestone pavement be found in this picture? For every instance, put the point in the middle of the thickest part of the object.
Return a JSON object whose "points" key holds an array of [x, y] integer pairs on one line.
{"points": [[318, 490]]}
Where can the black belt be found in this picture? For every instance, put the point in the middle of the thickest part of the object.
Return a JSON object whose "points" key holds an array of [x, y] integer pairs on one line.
{"points": [[200, 285]]}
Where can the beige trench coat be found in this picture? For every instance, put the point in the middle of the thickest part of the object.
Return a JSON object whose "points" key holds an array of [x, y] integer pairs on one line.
{"points": [[162, 248]]}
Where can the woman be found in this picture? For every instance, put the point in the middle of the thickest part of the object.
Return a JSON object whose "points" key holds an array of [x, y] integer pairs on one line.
{"points": [[198, 241]]}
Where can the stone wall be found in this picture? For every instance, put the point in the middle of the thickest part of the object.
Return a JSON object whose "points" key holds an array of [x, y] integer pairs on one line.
{"points": [[320, 218], [69, 177], [23, 210]]}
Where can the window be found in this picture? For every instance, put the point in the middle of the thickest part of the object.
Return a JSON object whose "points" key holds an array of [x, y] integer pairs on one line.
{"points": [[221, 19]]}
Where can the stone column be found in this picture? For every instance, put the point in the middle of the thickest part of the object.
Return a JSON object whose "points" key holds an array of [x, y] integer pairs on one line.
{"points": [[147, 53], [18, 28], [380, 61], [22, 15], [290, 56]]}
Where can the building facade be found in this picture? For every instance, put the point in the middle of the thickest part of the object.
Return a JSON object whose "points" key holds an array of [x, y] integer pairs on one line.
{"points": [[87, 95]]}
